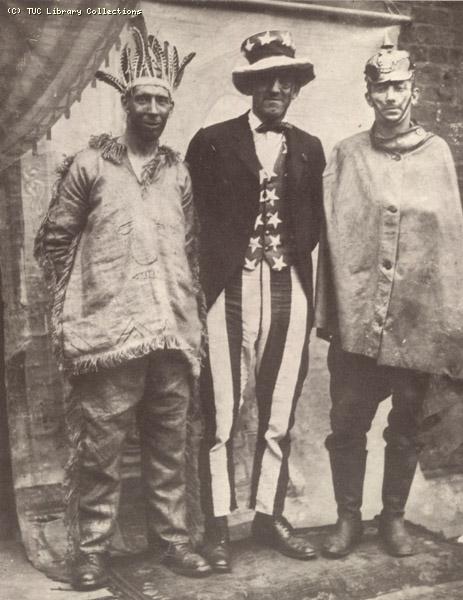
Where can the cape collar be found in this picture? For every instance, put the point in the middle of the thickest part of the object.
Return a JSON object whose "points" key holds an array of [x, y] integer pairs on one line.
{"points": [[403, 142]]}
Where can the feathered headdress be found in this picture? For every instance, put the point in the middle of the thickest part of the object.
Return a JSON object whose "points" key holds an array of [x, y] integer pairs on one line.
{"points": [[144, 61]]}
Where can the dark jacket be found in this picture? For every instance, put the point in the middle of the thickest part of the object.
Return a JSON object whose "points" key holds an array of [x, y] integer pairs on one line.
{"points": [[225, 174]]}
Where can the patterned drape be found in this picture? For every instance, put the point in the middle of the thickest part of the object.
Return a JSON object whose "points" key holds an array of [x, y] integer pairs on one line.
{"points": [[46, 60]]}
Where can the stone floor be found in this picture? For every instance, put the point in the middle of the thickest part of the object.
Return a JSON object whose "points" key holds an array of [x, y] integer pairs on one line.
{"points": [[436, 573]]}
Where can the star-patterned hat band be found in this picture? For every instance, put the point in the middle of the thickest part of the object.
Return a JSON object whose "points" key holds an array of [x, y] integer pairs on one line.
{"points": [[269, 51]]}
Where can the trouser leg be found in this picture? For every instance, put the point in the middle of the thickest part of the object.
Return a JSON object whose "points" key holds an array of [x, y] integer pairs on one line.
{"points": [[163, 429], [401, 452], [357, 386], [231, 325], [282, 362], [400, 458], [106, 401]]}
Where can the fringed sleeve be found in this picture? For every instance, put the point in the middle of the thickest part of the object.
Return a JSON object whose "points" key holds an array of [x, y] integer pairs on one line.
{"points": [[58, 237]]}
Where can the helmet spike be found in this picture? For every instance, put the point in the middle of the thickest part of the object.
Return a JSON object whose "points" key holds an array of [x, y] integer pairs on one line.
{"points": [[388, 44]]}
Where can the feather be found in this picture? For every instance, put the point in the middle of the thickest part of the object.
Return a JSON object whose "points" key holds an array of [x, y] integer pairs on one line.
{"points": [[165, 56], [153, 58], [175, 65], [139, 24], [170, 64], [124, 64], [157, 50], [111, 80], [141, 52], [134, 60], [181, 69]]}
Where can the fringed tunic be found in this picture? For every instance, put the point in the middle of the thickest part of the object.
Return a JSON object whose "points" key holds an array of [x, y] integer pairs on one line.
{"points": [[121, 258]]}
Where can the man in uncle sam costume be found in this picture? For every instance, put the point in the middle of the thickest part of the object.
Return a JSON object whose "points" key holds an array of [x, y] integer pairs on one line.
{"points": [[118, 243], [389, 293], [257, 184]]}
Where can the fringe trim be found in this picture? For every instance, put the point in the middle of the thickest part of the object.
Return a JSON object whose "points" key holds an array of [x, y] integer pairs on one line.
{"points": [[111, 148], [114, 151], [165, 157], [56, 283], [75, 430], [192, 250], [113, 358], [195, 429]]}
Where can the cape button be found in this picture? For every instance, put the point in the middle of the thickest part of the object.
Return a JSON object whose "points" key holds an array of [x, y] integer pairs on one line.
{"points": [[387, 264]]}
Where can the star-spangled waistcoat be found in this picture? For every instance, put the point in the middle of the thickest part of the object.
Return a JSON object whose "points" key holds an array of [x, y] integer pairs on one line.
{"points": [[271, 240]]}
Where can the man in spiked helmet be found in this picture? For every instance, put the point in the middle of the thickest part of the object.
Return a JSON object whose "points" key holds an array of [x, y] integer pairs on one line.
{"points": [[388, 293], [257, 187], [119, 245]]}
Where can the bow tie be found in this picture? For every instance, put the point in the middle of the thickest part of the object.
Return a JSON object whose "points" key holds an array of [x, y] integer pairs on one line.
{"points": [[280, 127]]}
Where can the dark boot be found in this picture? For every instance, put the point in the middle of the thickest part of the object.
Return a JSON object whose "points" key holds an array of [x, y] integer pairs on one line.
{"points": [[399, 470], [89, 572], [216, 548], [348, 472]]}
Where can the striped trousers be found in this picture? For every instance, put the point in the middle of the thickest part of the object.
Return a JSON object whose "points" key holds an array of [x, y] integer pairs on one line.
{"points": [[258, 344]]}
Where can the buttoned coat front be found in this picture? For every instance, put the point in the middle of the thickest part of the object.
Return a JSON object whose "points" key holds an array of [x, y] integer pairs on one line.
{"points": [[225, 174], [390, 276]]}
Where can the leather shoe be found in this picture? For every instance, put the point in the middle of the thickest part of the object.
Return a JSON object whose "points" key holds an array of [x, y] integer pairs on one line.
{"points": [[216, 547], [217, 554], [181, 559], [395, 536], [277, 533], [89, 572], [346, 536]]}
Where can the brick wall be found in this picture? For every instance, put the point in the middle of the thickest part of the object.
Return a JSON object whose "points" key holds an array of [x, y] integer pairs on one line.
{"points": [[436, 42]]}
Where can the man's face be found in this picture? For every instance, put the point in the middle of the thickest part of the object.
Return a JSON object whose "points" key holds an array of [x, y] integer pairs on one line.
{"points": [[272, 94], [392, 101], [148, 107]]}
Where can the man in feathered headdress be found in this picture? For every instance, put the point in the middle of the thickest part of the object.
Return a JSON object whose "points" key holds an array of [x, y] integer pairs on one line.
{"points": [[389, 293], [257, 186], [119, 245]]}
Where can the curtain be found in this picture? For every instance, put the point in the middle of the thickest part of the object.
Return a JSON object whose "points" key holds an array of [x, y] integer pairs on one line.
{"points": [[46, 60]]}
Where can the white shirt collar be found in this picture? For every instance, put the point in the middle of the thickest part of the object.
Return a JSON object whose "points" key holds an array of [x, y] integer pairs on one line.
{"points": [[254, 121]]}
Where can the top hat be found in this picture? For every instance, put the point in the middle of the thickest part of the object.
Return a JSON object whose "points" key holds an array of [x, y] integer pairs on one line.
{"points": [[389, 64], [270, 51]]}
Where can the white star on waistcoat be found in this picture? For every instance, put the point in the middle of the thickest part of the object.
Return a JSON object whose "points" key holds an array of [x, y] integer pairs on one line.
{"points": [[263, 175], [254, 242], [272, 196], [275, 241], [250, 264], [266, 38], [273, 220], [258, 222], [279, 263]]}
